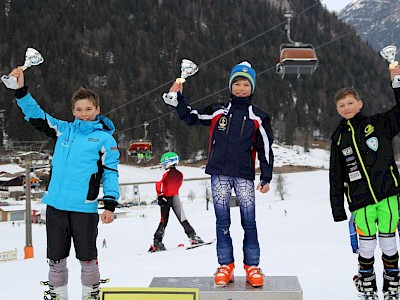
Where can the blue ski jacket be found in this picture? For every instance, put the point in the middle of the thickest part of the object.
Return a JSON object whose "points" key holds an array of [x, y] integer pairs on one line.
{"points": [[238, 130], [85, 153]]}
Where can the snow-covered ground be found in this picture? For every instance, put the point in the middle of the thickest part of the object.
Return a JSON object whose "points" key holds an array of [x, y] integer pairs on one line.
{"points": [[305, 243]]}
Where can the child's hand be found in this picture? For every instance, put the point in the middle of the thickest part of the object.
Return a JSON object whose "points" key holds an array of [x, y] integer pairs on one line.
{"points": [[107, 217], [395, 71], [263, 189], [18, 73], [176, 87]]}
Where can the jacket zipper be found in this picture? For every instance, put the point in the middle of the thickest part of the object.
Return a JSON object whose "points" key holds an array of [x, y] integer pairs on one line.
{"points": [[361, 161], [348, 192], [394, 177], [229, 123], [244, 121], [212, 149]]}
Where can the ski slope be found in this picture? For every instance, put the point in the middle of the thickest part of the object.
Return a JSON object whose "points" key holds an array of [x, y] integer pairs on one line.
{"points": [[305, 243]]}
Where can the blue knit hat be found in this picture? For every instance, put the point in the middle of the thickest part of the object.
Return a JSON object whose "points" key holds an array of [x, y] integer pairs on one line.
{"points": [[244, 70]]}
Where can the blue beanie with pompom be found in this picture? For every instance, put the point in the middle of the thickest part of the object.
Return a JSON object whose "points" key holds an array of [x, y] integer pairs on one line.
{"points": [[244, 70]]}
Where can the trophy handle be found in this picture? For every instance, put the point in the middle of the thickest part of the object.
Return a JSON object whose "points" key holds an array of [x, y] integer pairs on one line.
{"points": [[393, 64]]}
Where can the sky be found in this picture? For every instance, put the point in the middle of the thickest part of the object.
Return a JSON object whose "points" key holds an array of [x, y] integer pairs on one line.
{"points": [[305, 242], [335, 5]]}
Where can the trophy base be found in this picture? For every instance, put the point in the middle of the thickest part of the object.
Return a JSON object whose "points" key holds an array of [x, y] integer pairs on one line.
{"points": [[396, 82], [171, 98], [10, 82]]}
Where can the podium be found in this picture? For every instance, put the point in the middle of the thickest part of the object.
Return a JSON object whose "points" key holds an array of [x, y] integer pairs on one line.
{"points": [[274, 288]]}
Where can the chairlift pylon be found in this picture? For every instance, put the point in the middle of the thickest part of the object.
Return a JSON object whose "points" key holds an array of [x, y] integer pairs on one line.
{"points": [[296, 58]]}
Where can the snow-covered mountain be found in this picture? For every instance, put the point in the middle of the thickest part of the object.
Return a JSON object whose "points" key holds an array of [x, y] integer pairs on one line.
{"points": [[376, 21]]}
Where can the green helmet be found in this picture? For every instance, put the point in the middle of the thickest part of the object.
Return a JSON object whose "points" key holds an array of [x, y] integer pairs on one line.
{"points": [[169, 159]]}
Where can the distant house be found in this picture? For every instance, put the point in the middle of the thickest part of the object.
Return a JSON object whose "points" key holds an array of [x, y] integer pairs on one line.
{"points": [[17, 213], [11, 180]]}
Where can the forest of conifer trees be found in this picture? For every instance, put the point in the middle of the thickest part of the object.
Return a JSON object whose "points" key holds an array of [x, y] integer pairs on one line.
{"points": [[130, 51]]}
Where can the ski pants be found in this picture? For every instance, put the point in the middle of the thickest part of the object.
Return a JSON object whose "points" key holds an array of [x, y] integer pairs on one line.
{"points": [[173, 202], [62, 227], [221, 189], [383, 218]]}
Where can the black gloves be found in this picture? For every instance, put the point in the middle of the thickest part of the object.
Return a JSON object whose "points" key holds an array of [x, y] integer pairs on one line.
{"points": [[161, 200]]}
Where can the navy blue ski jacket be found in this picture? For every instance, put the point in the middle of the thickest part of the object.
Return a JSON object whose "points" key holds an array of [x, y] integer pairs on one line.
{"points": [[238, 131]]}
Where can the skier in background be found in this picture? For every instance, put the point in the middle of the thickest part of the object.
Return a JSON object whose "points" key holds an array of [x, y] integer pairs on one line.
{"points": [[167, 188], [239, 131], [363, 167]]}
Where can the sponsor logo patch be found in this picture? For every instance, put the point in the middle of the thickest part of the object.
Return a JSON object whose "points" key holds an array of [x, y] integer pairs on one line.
{"points": [[347, 151], [369, 129], [353, 176], [223, 122], [373, 143]]}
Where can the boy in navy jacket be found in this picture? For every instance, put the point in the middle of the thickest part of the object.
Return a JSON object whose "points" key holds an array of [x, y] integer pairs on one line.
{"points": [[238, 131]]}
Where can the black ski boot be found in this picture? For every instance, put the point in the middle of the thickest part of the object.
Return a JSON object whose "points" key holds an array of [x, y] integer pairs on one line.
{"points": [[391, 280], [194, 239], [365, 282], [157, 246]]}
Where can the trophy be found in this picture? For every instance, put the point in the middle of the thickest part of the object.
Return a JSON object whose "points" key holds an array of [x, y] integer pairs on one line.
{"points": [[389, 54], [32, 58], [188, 68]]}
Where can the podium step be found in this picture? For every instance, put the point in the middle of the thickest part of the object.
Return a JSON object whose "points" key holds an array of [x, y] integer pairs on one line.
{"points": [[274, 288]]}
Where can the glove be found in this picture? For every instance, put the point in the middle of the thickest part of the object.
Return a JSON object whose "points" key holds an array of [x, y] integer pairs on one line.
{"points": [[161, 200]]}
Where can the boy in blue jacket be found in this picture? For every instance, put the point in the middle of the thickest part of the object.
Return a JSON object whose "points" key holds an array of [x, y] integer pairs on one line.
{"points": [[238, 131], [85, 153]]}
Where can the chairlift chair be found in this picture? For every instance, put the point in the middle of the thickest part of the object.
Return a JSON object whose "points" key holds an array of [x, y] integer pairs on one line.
{"points": [[295, 57], [298, 59], [139, 146], [141, 149]]}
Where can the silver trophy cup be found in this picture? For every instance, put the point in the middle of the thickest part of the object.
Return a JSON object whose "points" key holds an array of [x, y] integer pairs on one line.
{"points": [[32, 58], [188, 68], [389, 53]]}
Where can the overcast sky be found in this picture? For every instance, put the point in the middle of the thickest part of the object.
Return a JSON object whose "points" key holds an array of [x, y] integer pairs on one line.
{"points": [[335, 4]]}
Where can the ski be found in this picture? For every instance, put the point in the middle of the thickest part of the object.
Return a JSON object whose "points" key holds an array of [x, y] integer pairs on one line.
{"points": [[179, 246], [199, 245]]}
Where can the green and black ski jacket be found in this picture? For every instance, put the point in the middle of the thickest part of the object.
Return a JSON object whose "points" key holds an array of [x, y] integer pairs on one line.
{"points": [[362, 163]]}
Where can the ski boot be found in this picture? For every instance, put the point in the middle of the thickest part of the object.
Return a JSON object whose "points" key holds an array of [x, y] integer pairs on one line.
{"points": [[391, 280], [224, 274], [254, 275], [56, 293], [365, 282], [194, 239], [93, 292], [157, 246]]}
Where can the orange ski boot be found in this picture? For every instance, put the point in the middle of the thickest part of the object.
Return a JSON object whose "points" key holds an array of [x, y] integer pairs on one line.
{"points": [[254, 275], [224, 274]]}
